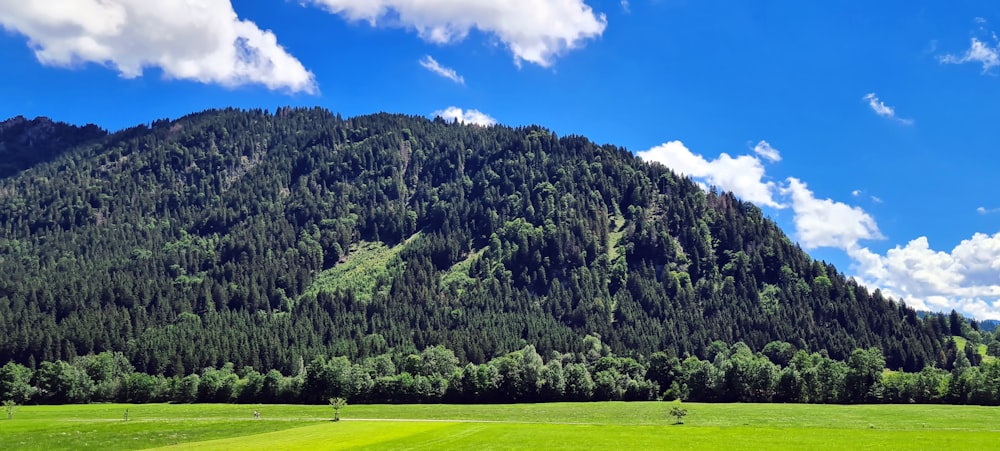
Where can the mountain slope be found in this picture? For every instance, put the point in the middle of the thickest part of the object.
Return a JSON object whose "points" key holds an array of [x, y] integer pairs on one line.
{"points": [[262, 238]]}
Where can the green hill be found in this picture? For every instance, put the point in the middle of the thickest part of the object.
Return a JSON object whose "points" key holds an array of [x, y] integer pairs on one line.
{"points": [[262, 239]]}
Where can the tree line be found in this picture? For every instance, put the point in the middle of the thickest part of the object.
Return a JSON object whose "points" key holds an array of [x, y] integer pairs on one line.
{"points": [[777, 373]]}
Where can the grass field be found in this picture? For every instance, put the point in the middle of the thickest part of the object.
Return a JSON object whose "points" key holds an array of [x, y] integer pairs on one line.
{"points": [[479, 427]]}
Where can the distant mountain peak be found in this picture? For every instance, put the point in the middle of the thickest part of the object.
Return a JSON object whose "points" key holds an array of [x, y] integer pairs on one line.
{"points": [[25, 143]]}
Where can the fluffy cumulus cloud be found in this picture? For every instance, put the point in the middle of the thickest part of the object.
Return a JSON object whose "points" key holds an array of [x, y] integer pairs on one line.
{"points": [[200, 40], [966, 279], [535, 31], [818, 222], [884, 110], [431, 64], [456, 114], [743, 175], [766, 151], [828, 223]]}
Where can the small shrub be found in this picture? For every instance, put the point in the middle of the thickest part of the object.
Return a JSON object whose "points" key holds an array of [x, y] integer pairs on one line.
{"points": [[10, 407], [337, 404], [678, 413]]}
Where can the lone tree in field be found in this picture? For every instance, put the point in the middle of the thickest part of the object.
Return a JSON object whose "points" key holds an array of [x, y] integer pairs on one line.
{"points": [[337, 404], [10, 406], [678, 413]]}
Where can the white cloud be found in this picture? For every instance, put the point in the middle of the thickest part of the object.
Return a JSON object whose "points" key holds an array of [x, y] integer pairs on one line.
{"points": [[966, 279], [765, 150], [878, 107], [827, 223], [987, 211], [535, 31], [979, 52], [431, 64], [626, 7], [818, 222], [199, 40], [874, 199], [884, 110], [743, 175], [456, 114]]}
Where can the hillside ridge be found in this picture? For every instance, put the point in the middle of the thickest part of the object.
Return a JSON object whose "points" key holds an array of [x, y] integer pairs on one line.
{"points": [[197, 241]]}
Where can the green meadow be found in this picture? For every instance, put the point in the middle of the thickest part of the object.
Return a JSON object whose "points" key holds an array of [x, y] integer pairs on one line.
{"points": [[613, 425]]}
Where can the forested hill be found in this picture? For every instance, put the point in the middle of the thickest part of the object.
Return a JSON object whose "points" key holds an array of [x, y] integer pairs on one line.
{"points": [[263, 239]]}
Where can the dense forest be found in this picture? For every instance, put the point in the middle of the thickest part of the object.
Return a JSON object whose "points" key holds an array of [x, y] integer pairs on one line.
{"points": [[777, 373], [263, 240]]}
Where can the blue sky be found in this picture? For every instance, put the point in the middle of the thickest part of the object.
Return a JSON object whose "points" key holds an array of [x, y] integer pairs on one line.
{"points": [[865, 129]]}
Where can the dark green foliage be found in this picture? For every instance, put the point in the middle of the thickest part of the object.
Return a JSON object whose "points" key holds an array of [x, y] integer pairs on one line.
{"points": [[15, 383], [864, 372], [993, 349], [267, 239], [736, 374]]}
